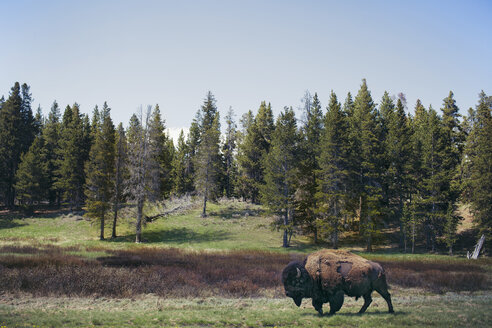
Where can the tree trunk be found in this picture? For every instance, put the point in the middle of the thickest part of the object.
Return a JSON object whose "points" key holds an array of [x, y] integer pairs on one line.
{"points": [[369, 236], [138, 235], [115, 216], [315, 235], [403, 234], [413, 234], [10, 198], [360, 214], [335, 226], [335, 237], [204, 212], [286, 223], [205, 194], [58, 199], [101, 236], [369, 243]]}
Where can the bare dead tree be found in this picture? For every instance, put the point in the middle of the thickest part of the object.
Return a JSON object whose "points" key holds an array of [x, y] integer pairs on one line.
{"points": [[138, 165]]}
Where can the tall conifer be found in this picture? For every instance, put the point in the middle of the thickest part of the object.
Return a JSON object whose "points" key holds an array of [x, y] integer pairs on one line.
{"points": [[120, 173], [479, 159], [364, 138], [332, 195], [281, 170], [100, 168], [254, 148], [312, 131], [182, 176], [208, 160], [51, 134], [31, 178], [73, 151], [229, 151]]}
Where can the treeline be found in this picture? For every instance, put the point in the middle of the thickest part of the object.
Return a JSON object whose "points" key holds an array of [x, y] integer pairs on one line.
{"points": [[356, 166]]}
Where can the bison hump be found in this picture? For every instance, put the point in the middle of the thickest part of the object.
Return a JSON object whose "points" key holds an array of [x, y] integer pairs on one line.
{"points": [[332, 268]]}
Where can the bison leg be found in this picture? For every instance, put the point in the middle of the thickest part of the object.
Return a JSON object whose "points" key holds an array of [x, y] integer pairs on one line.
{"points": [[336, 302], [367, 302], [383, 291], [318, 306]]}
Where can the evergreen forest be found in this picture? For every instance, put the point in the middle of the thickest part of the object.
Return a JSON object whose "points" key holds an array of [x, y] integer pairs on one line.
{"points": [[354, 164]]}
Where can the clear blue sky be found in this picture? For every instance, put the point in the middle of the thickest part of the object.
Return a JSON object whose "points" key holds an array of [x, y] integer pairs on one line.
{"points": [[133, 53]]}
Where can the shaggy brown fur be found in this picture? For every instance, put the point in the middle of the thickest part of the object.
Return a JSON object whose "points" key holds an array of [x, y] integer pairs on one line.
{"points": [[335, 272]]}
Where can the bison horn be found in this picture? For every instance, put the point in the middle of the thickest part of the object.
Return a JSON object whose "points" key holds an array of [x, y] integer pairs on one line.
{"points": [[298, 273]]}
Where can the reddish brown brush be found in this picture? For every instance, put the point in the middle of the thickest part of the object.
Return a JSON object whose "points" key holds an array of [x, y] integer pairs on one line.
{"points": [[437, 277], [179, 273]]}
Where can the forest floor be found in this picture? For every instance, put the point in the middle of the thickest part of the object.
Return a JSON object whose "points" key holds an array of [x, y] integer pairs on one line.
{"points": [[219, 271]]}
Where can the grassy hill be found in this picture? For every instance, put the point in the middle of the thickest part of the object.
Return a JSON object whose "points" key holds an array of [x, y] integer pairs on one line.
{"points": [[222, 270], [231, 225]]}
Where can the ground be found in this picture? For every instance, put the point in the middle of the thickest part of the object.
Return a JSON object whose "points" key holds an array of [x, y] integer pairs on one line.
{"points": [[235, 259]]}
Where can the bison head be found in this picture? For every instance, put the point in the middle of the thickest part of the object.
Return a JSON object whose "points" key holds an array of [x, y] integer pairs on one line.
{"points": [[297, 282]]}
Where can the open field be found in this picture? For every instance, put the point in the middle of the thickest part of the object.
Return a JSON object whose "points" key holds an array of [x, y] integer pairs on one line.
{"points": [[413, 309], [223, 270], [230, 225]]}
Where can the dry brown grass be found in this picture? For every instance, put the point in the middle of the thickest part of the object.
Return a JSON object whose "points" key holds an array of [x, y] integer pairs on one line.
{"points": [[437, 277], [50, 271]]}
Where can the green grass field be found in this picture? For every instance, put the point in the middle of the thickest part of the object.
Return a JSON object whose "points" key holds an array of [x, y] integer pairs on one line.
{"points": [[412, 310], [231, 226]]}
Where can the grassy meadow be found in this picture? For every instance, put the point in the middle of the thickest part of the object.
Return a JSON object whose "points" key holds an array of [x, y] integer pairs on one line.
{"points": [[219, 271]]}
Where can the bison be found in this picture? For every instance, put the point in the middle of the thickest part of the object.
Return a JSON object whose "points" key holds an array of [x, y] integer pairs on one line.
{"points": [[326, 275]]}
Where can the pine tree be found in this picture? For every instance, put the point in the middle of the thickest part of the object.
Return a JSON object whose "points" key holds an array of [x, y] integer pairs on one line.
{"points": [[418, 126], [73, 153], [242, 182], [309, 165], [411, 223], [100, 168], [450, 227], [138, 160], [397, 153], [17, 131], [208, 160], [39, 122], [453, 149], [31, 179], [253, 150], [11, 142], [161, 157], [229, 150], [365, 157], [183, 181], [51, 135], [353, 202], [28, 127], [332, 195], [95, 123], [281, 172], [479, 158], [454, 139], [120, 174], [192, 143], [434, 181], [386, 117]]}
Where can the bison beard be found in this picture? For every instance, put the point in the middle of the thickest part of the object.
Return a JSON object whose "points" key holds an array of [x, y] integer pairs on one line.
{"points": [[325, 276]]}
